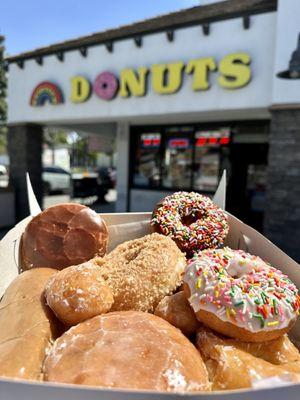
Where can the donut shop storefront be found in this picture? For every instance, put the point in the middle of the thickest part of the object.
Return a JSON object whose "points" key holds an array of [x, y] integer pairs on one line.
{"points": [[183, 97]]}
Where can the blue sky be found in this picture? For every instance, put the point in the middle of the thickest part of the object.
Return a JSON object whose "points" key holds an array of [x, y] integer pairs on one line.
{"points": [[28, 24]]}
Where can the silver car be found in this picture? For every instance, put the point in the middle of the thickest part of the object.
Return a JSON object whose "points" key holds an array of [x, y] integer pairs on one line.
{"points": [[56, 179]]}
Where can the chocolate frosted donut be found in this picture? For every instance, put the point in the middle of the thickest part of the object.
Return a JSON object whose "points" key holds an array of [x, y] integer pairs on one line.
{"points": [[63, 235], [192, 220]]}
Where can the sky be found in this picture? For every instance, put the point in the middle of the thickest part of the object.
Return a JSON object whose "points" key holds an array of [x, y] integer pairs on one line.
{"points": [[28, 24]]}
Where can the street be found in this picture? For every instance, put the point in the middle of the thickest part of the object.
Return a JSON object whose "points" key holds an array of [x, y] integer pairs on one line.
{"points": [[88, 201]]}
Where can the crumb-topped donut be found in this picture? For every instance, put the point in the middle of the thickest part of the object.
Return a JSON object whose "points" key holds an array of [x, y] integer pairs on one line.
{"points": [[129, 350], [239, 295], [136, 275], [192, 220], [141, 272], [63, 235]]}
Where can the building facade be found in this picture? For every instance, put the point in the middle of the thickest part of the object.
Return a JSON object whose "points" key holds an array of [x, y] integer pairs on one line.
{"points": [[184, 96]]}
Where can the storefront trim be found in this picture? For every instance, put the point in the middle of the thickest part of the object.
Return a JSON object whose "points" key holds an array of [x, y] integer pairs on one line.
{"points": [[199, 15]]}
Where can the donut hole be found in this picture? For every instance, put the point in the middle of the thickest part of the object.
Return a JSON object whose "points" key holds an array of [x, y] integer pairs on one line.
{"points": [[190, 219], [235, 274], [238, 268]]}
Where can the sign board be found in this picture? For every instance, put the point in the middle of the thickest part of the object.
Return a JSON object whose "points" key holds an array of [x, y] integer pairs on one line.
{"points": [[227, 70]]}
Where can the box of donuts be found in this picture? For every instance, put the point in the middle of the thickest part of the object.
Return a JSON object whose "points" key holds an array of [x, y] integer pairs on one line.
{"points": [[185, 301]]}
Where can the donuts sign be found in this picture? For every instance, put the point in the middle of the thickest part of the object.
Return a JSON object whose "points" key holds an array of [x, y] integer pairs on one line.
{"points": [[233, 72]]}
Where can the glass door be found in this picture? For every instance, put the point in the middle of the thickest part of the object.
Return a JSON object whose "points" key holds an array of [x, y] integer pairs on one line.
{"points": [[147, 168], [207, 162], [178, 158]]}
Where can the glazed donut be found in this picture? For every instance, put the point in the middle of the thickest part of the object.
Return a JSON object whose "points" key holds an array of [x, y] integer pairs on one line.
{"points": [[28, 327], [229, 367], [239, 295], [177, 311], [77, 293], [63, 235], [279, 351], [129, 350], [192, 220]]}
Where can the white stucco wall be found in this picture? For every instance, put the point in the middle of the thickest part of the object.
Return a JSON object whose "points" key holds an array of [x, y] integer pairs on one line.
{"points": [[225, 37]]}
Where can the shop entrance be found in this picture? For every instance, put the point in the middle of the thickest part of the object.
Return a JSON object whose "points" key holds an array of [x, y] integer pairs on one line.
{"points": [[247, 182], [168, 158]]}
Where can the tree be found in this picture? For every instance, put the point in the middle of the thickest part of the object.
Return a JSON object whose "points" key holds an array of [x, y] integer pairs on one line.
{"points": [[3, 104], [53, 138]]}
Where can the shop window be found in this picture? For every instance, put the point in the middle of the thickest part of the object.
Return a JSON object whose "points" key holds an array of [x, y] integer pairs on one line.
{"points": [[177, 161], [206, 169], [147, 160], [179, 158]]}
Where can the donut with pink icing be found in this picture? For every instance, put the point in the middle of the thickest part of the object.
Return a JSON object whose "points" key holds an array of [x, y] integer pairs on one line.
{"points": [[106, 85], [239, 295]]}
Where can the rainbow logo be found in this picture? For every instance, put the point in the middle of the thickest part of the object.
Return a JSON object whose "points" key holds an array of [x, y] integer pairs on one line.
{"points": [[46, 92]]}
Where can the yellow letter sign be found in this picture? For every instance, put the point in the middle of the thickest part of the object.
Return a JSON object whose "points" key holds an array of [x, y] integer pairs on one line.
{"points": [[167, 78], [235, 70], [132, 83], [200, 68], [80, 89]]}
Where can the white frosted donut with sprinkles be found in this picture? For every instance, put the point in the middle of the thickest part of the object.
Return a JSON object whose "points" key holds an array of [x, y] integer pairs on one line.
{"points": [[192, 220], [241, 296]]}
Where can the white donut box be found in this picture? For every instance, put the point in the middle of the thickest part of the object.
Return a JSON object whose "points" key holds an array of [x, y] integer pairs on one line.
{"points": [[126, 226]]}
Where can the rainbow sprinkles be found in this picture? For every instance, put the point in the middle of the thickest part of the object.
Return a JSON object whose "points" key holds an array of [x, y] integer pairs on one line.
{"points": [[242, 289], [192, 220], [46, 92]]}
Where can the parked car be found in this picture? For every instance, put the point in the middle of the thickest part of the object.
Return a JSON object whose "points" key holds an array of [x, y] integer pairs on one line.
{"points": [[56, 179], [78, 184], [3, 176]]}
